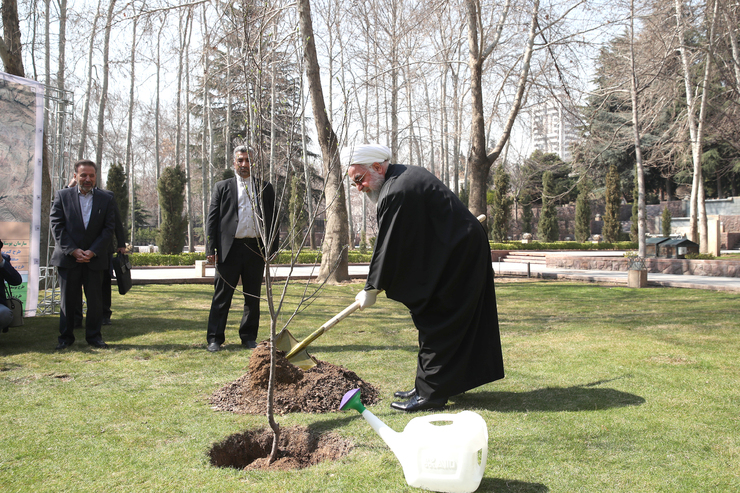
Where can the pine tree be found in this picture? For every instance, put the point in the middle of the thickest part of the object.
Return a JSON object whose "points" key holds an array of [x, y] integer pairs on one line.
{"points": [[665, 223], [547, 229], [117, 184], [527, 215], [171, 186], [583, 211], [612, 226], [501, 205], [298, 215]]}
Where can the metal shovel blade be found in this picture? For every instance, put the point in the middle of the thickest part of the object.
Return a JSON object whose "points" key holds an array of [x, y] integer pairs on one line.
{"points": [[284, 341]]}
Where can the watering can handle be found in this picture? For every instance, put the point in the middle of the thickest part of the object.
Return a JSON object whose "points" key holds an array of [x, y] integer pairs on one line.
{"points": [[328, 325]]}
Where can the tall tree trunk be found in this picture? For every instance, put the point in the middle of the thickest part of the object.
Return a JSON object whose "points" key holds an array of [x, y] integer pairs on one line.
{"points": [[696, 127], [104, 88], [130, 132], [10, 43], [207, 141], [334, 267], [479, 161], [86, 107], [188, 174], [641, 219], [157, 156]]}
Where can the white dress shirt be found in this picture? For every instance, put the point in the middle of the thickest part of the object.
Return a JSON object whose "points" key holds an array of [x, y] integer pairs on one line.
{"points": [[247, 227]]}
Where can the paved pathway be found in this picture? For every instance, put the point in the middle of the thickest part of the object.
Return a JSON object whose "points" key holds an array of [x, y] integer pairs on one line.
{"points": [[189, 275]]}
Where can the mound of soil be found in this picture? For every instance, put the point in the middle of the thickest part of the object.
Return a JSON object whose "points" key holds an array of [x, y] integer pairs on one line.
{"points": [[318, 390], [298, 448]]}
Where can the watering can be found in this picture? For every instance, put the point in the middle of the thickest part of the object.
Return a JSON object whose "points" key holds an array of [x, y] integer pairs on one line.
{"points": [[439, 452]]}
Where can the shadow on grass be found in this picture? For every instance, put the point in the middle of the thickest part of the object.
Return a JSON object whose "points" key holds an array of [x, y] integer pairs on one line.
{"points": [[500, 485], [550, 399]]}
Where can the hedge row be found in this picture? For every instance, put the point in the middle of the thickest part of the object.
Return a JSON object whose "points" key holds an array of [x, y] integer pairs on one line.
{"points": [[355, 257]]}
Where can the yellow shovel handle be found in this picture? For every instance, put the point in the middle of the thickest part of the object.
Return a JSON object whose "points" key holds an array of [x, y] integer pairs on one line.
{"points": [[328, 325]]}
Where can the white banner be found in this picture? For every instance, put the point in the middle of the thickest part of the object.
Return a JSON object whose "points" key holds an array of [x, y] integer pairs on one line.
{"points": [[21, 151]]}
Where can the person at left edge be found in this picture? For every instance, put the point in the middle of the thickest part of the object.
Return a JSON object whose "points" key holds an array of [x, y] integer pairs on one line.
{"points": [[82, 223], [242, 207], [11, 276]]}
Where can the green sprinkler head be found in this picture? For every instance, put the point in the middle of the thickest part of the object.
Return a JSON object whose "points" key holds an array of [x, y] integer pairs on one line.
{"points": [[351, 400]]}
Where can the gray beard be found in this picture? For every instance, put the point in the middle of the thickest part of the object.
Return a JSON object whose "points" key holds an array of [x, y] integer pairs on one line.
{"points": [[373, 196]]}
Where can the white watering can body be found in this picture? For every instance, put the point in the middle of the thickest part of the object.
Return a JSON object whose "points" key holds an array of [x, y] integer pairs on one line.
{"points": [[439, 452]]}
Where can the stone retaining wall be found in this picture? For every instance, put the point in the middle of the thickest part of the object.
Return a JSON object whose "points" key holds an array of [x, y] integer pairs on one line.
{"points": [[718, 268]]}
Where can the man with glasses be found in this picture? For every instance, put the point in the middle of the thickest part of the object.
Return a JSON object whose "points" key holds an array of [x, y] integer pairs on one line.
{"points": [[432, 255]]}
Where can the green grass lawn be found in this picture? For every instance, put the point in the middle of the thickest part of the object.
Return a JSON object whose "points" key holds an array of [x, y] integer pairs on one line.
{"points": [[607, 389]]}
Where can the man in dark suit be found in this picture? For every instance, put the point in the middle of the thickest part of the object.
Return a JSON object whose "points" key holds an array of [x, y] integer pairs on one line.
{"points": [[120, 241], [240, 216], [82, 222]]}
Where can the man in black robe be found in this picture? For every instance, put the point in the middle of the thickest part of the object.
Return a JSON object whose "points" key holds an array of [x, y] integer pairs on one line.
{"points": [[432, 255]]}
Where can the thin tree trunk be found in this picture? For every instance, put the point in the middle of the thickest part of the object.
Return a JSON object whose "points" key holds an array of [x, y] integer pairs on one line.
{"points": [[86, 108], [104, 88], [641, 219], [696, 128], [188, 174], [130, 133], [157, 156]]}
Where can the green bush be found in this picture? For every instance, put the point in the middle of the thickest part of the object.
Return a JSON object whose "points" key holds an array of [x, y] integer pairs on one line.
{"points": [[700, 256], [563, 245], [160, 259], [357, 257]]}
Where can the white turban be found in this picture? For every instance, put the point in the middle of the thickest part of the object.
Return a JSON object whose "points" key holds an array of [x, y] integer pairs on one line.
{"points": [[365, 154]]}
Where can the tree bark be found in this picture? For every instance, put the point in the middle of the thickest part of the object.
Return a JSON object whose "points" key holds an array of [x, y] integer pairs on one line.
{"points": [[641, 219], [334, 268], [86, 107], [104, 88]]}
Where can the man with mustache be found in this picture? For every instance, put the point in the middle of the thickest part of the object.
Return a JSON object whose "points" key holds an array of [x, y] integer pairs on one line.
{"points": [[82, 223], [432, 255]]}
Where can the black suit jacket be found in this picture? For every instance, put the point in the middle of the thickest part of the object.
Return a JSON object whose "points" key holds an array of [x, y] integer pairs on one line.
{"points": [[223, 216], [69, 230], [119, 233]]}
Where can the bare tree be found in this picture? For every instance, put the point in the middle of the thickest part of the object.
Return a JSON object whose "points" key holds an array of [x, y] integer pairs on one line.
{"points": [[334, 249], [479, 160], [696, 122], [88, 92], [104, 88]]}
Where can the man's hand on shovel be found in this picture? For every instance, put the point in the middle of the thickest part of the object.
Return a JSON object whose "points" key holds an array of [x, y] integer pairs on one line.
{"points": [[367, 297]]}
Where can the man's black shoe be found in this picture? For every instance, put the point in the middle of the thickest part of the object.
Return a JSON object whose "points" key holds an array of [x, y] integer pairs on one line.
{"points": [[408, 394], [106, 321], [417, 403], [213, 347], [63, 345], [249, 344], [98, 344]]}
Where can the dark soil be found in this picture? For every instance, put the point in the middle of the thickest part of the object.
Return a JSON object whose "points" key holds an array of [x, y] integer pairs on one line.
{"points": [[318, 390], [298, 448]]}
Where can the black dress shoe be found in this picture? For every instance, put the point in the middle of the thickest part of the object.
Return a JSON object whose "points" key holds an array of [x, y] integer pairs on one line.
{"points": [[106, 321], [98, 344], [249, 344], [213, 347], [408, 394], [63, 345], [417, 403]]}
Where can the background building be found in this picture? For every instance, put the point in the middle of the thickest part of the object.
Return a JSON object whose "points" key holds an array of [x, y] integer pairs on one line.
{"points": [[553, 127]]}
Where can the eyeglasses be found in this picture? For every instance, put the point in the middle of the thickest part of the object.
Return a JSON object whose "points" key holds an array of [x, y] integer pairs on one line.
{"points": [[357, 180]]}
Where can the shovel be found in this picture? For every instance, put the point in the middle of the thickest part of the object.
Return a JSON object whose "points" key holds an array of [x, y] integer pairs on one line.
{"points": [[296, 351]]}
